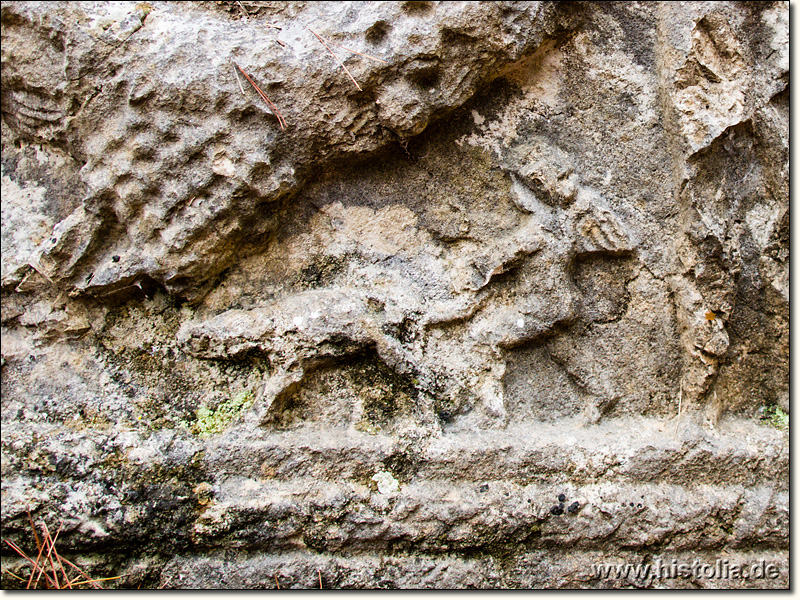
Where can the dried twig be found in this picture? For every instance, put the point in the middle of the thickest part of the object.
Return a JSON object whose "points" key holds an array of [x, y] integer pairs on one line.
{"points": [[273, 108], [319, 37]]}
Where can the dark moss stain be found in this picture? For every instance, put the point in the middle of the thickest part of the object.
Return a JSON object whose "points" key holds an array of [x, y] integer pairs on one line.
{"points": [[386, 394], [362, 376], [503, 546], [446, 409], [328, 533], [403, 331], [165, 385], [402, 465], [321, 272], [158, 504], [639, 35]]}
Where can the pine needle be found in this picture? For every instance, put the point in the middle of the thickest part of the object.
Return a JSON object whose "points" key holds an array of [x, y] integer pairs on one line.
{"points": [[9, 573], [350, 75], [94, 581], [357, 52], [36, 567], [273, 108], [239, 81], [48, 559]]}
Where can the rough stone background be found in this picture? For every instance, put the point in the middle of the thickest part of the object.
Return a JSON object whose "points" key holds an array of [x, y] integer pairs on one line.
{"points": [[530, 249]]}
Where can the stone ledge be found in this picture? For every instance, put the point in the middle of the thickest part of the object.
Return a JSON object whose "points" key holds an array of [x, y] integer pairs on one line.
{"points": [[551, 569], [739, 451], [434, 516]]}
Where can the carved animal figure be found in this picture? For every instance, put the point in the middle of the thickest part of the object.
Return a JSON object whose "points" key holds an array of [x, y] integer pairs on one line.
{"points": [[412, 330]]}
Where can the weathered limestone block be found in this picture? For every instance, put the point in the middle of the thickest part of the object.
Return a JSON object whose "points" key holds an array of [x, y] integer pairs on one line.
{"points": [[179, 159], [396, 294]]}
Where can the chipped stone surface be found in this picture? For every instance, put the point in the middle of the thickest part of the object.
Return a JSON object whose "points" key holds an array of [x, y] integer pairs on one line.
{"points": [[518, 252]]}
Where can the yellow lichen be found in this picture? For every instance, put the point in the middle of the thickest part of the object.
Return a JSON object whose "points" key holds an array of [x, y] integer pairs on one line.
{"points": [[210, 422]]}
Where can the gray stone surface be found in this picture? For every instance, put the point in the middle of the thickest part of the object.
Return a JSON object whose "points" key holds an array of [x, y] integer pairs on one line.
{"points": [[369, 332]]}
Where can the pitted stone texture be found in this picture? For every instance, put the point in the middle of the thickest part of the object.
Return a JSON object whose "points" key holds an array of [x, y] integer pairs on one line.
{"points": [[179, 165]]}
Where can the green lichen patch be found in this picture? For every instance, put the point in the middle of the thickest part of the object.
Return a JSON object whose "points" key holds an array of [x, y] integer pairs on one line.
{"points": [[214, 421], [776, 417]]}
